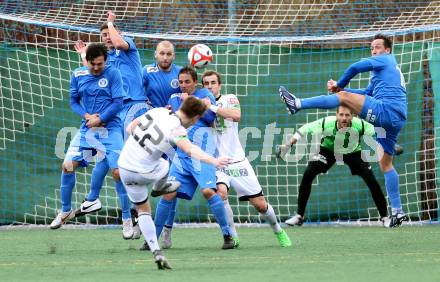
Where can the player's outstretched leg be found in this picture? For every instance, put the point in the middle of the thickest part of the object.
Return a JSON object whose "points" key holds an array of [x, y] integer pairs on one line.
{"points": [[290, 100]]}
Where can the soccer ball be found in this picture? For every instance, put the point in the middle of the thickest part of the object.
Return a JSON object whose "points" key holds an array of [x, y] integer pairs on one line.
{"points": [[200, 56]]}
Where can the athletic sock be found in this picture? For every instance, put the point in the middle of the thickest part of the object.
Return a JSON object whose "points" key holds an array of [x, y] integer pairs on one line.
{"points": [[97, 179], [320, 102], [392, 186], [218, 209], [148, 229], [123, 199], [162, 212], [271, 218], [170, 219], [66, 187], [230, 218]]}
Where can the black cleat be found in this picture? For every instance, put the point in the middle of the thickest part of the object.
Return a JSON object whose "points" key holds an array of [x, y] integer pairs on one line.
{"points": [[145, 247], [397, 219], [228, 243], [161, 261]]}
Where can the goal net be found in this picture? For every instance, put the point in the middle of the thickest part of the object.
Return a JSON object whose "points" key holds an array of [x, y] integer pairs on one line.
{"points": [[258, 46]]}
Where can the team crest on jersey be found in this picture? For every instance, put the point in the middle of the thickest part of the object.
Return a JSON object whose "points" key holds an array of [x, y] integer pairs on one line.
{"points": [[174, 83], [103, 82], [152, 69]]}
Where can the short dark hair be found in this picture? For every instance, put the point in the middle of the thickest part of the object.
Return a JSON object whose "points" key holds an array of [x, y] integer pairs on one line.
{"points": [[193, 106], [189, 70], [211, 72], [95, 50], [387, 42], [105, 26]]}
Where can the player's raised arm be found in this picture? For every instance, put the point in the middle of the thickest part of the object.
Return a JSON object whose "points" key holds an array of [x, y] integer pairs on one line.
{"points": [[197, 153], [115, 36]]}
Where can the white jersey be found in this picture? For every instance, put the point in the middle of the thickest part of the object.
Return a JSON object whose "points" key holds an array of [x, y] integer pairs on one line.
{"points": [[228, 142], [157, 131]]}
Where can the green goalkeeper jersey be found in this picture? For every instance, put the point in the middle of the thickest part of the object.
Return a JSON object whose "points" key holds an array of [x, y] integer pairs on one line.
{"points": [[342, 141]]}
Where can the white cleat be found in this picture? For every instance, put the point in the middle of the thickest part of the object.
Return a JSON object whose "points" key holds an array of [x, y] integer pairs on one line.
{"points": [[168, 187], [166, 238], [385, 221], [127, 229], [297, 220], [61, 218], [88, 207], [161, 260], [136, 231]]}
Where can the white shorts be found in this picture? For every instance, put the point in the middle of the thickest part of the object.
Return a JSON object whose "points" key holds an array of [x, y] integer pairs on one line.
{"points": [[137, 183], [242, 178]]}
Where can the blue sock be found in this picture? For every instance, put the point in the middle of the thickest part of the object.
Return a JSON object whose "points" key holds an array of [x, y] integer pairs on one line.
{"points": [[171, 215], [123, 198], [320, 102], [162, 212], [218, 209], [67, 184], [392, 185], [98, 176]]}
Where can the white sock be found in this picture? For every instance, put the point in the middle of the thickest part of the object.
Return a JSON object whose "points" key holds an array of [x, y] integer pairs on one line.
{"points": [[148, 229], [271, 218], [230, 218]]}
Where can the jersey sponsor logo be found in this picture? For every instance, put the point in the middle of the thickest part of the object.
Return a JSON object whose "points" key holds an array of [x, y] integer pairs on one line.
{"points": [[174, 83], [81, 73], [103, 82], [152, 69], [235, 172]]}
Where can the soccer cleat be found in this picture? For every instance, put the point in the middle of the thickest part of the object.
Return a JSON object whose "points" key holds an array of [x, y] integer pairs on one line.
{"points": [[385, 221], [160, 260], [127, 229], [236, 242], [61, 218], [397, 219], [136, 231], [166, 238], [88, 207], [145, 247], [168, 187], [228, 242], [283, 239], [398, 150], [289, 99], [297, 220]]}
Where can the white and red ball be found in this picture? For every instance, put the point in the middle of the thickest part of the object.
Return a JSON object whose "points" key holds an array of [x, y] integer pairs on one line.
{"points": [[200, 56]]}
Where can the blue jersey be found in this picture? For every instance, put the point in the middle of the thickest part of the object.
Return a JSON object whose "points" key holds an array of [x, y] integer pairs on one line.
{"points": [[128, 62], [204, 138], [386, 81], [101, 94], [159, 85]]}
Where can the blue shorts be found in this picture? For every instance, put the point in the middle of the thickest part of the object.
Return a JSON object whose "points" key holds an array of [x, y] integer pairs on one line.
{"points": [[97, 145], [380, 114], [192, 174], [130, 111]]}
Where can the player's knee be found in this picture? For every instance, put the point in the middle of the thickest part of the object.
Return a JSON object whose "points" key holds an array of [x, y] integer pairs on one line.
{"points": [[259, 203], [68, 166], [208, 193], [115, 174], [222, 191]]}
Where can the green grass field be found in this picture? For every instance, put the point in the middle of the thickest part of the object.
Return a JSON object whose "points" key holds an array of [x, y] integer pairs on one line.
{"points": [[410, 253]]}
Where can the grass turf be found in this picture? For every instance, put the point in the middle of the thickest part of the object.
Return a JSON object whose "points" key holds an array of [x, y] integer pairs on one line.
{"points": [[409, 253]]}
